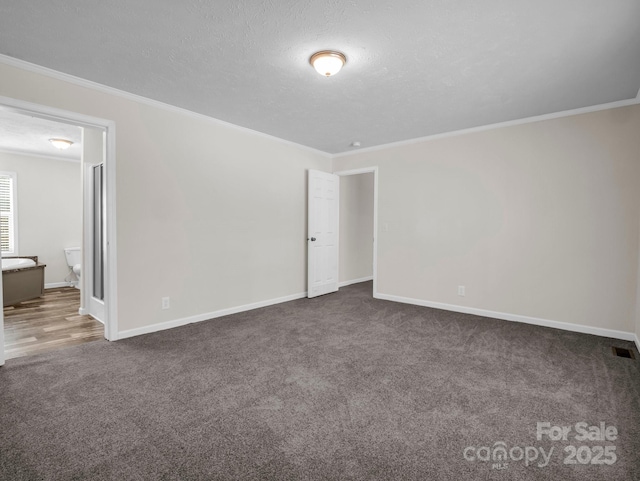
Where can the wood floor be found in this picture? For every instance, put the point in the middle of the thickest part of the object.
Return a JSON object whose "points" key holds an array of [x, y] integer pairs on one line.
{"points": [[48, 323]]}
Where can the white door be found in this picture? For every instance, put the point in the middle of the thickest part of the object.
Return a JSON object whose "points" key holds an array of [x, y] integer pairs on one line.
{"points": [[322, 239]]}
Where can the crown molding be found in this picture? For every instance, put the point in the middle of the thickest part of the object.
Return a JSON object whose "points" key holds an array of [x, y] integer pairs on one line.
{"points": [[499, 125], [31, 67], [26, 153]]}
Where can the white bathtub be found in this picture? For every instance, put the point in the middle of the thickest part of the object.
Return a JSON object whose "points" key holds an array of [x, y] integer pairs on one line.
{"points": [[19, 263]]}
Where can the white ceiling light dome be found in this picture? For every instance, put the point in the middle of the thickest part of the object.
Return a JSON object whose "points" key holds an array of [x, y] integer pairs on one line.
{"points": [[328, 62], [61, 144]]}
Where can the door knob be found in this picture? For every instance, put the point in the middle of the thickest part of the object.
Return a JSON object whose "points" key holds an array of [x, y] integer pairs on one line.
{"points": [[313, 239]]}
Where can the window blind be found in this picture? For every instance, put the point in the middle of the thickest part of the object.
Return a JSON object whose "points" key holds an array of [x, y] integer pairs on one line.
{"points": [[6, 213]]}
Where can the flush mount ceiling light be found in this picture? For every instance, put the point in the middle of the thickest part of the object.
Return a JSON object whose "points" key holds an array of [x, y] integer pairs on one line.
{"points": [[328, 62], [61, 144]]}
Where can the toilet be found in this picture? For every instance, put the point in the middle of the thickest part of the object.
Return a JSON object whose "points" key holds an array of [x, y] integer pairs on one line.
{"points": [[74, 261]]}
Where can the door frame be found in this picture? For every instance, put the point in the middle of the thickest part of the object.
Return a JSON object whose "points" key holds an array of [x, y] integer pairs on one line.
{"points": [[368, 170], [109, 127]]}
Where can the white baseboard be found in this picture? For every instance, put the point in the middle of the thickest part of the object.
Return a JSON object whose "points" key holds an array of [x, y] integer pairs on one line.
{"points": [[627, 336], [55, 285], [355, 281], [565, 326], [207, 316]]}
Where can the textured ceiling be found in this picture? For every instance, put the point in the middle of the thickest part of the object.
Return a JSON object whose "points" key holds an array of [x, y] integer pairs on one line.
{"points": [[29, 135], [414, 68]]}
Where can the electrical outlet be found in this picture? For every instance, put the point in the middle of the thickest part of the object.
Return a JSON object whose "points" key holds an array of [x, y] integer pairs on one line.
{"points": [[165, 303], [461, 291]]}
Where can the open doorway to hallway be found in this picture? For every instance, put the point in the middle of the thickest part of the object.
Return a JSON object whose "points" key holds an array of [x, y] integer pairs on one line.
{"points": [[357, 227]]}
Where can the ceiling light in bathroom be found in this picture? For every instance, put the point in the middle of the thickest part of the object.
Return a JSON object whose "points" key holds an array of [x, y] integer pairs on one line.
{"points": [[61, 144]]}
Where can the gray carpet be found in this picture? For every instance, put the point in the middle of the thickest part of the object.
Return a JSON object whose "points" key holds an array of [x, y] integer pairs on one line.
{"points": [[337, 387]]}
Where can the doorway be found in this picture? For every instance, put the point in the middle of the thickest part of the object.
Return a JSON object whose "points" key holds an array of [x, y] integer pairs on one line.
{"points": [[105, 212], [358, 226]]}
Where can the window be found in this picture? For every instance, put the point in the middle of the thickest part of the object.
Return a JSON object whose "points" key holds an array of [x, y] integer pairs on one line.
{"points": [[8, 217]]}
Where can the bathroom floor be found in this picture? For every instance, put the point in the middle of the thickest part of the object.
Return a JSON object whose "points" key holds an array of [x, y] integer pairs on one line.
{"points": [[48, 323]]}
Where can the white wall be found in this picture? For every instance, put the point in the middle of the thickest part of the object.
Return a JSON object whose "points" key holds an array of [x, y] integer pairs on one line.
{"points": [[538, 220], [49, 210], [210, 215], [356, 227]]}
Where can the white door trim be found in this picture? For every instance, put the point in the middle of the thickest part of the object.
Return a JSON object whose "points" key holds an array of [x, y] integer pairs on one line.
{"points": [[367, 170], [109, 126]]}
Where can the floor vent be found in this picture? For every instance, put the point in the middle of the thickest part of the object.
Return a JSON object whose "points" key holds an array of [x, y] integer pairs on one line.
{"points": [[623, 352]]}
